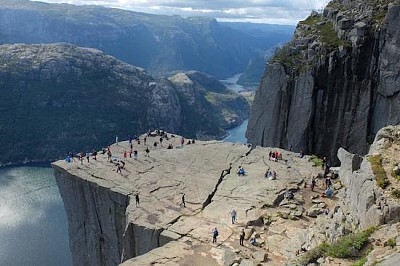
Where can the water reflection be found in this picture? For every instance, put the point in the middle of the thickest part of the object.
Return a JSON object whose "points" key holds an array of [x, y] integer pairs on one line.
{"points": [[33, 223]]}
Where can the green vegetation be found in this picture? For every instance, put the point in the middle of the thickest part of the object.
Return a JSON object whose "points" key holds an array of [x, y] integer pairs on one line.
{"points": [[285, 57], [347, 247], [396, 193], [360, 262], [391, 242], [329, 36], [379, 172], [317, 162]]}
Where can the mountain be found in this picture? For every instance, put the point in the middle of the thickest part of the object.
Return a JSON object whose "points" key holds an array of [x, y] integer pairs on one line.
{"points": [[335, 84], [57, 98], [160, 44]]}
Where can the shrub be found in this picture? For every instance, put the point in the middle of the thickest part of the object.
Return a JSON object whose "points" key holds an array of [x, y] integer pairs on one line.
{"points": [[315, 160], [347, 247], [360, 262], [396, 193], [391, 242], [379, 172]]}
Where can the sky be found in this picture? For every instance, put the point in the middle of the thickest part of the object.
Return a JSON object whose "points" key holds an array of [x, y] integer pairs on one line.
{"points": [[287, 12]]}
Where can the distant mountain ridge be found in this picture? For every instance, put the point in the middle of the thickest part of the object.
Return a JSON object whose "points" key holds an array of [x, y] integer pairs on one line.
{"points": [[57, 98], [160, 44]]}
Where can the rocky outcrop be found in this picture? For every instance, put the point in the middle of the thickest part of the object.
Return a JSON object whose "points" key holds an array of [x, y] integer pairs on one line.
{"points": [[160, 230], [160, 44], [59, 98], [333, 85]]}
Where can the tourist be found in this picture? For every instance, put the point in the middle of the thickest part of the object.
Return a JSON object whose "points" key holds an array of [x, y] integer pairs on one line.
{"points": [[276, 155], [130, 139], [161, 139], [182, 142], [125, 155], [270, 155], [119, 168], [144, 140], [313, 182], [68, 159], [135, 154], [233, 216], [241, 171], [170, 147], [328, 182], [253, 241], [323, 163], [155, 144], [214, 235], [137, 199], [130, 153], [183, 201], [94, 154], [267, 173], [273, 175], [289, 195], [147, 151], [87, 156], [116, 139], [241, 239]]}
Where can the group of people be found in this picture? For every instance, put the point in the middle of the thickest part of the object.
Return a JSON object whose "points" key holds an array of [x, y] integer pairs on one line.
{"points": [[274, 156]]}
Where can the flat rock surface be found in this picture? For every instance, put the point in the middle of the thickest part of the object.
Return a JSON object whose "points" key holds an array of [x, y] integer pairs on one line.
{"points": [[200, 171]]}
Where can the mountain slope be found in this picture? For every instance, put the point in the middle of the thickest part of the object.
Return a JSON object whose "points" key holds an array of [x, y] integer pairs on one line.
{"points": [[160, 44], [57, 98]]}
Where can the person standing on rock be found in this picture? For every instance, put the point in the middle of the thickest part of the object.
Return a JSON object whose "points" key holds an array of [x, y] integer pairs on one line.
{"points": [[137, 199], [116, 139], [241, 239], [125, 155], [233, 216], [147, 151], [183, 201], [313, 182], [214, 235], [135, 154], [87, 156]]}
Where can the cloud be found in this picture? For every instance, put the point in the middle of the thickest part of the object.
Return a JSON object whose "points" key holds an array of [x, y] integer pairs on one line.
{"points": [[261, 11]]}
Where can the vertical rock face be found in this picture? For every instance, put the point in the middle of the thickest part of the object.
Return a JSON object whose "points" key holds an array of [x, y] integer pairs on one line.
{"points": [[333, 85], [96, 217]]}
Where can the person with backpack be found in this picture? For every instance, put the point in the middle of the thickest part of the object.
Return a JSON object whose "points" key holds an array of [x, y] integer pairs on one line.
{"points": [[215, 235]]}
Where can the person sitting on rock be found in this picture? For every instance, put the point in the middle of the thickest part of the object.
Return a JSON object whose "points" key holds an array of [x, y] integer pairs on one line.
{"points": [[241, 171], [253, 241], [289, 195], [267, 173], [273, 176], [170, 147]]}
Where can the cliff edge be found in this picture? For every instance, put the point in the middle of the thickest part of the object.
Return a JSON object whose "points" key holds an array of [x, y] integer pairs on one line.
{"points": [[334, 84]]}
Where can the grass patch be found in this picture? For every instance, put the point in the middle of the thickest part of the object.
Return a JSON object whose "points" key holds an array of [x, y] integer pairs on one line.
{"points": [[317, 162], [329, 36], [396, 193], [347, 247], [379, 172], [360, 262], [391, 242]]}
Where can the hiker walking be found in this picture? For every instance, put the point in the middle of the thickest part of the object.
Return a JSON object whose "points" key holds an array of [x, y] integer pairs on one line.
{"points": [[313, 182], [214, 235], [233, 216], [241, 239], [137, 199], [183, 201]]}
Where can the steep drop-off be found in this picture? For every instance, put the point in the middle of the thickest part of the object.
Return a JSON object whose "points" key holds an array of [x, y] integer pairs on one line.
{"points": [[160, 44], [335, 84], [58, 98]]}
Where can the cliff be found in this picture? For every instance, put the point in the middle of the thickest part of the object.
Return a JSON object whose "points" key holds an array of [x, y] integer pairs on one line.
{"points": [[334, 84], [59, 98], [160, 44], [101, 205]]}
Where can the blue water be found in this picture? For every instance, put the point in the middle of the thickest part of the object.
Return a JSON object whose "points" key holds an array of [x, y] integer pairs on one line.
{"points": [[237, 134], [33, 222]]}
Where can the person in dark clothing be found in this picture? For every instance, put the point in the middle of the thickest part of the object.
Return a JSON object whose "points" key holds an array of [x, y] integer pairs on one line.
{"points": [[241, 239], [215, 235], [147, 151], [137, 199], [313, 182], [183, 201]]}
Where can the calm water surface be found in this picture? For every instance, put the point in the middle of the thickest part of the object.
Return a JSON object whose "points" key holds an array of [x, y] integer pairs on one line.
{"points": [[33, 222]]}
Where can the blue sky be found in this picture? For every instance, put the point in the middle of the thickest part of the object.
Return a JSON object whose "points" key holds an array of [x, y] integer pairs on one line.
{"points": [[260, 11]]}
